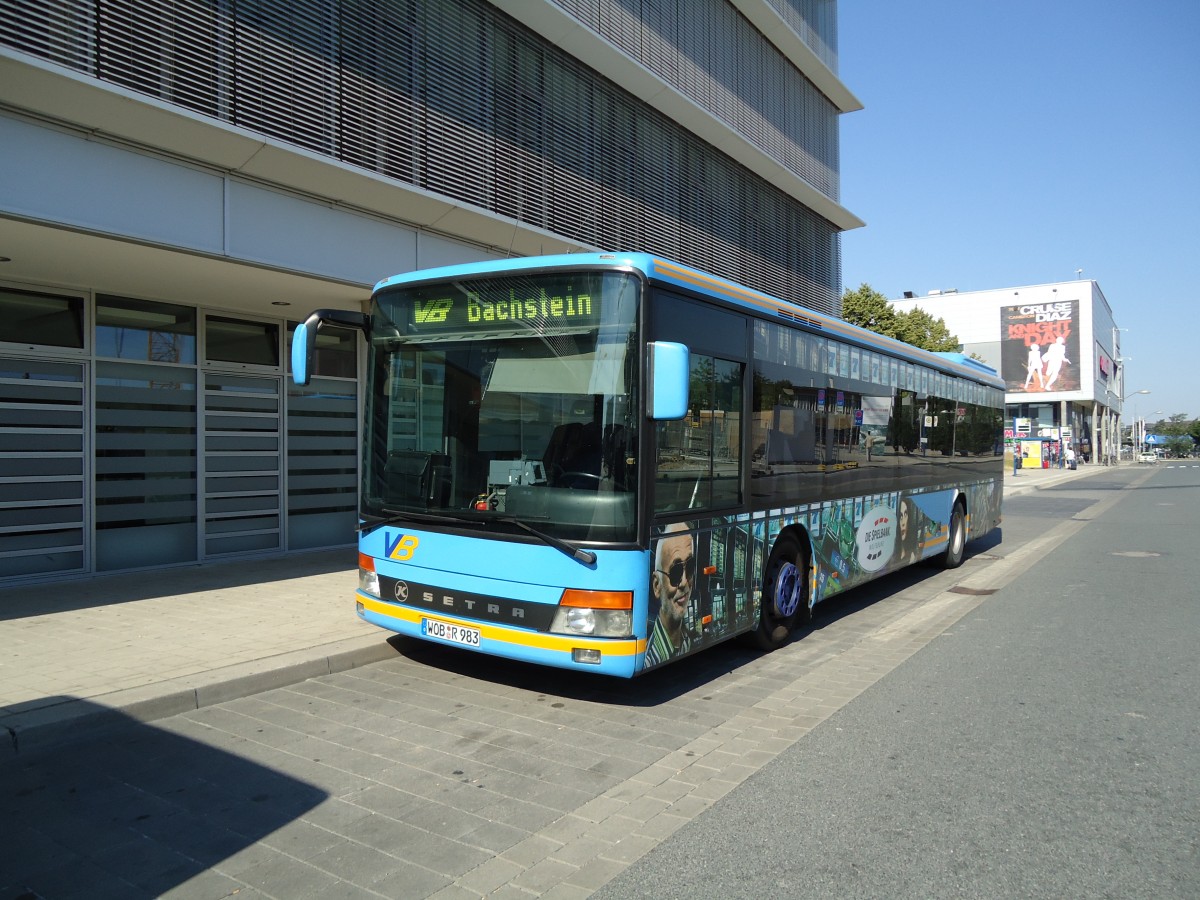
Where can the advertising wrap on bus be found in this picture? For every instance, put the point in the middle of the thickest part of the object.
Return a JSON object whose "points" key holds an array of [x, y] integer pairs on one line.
{"points": [[607, 462]]}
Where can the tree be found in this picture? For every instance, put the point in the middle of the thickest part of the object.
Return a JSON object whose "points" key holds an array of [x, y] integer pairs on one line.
{"points": [[921, 329], [869, 309], [1180, 445], [1176, 425], [1182, 433]]}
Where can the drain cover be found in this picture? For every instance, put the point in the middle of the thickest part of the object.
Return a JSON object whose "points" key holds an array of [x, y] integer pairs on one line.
{"points": [[972, 592]]}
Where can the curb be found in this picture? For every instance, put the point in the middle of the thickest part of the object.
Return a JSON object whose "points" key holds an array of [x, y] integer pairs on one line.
{"points": [[1036, 480], [51, 724]]}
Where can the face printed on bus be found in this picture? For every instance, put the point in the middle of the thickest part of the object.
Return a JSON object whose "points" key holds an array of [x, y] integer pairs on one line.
{"points": [[674, 575], [908, 532]]}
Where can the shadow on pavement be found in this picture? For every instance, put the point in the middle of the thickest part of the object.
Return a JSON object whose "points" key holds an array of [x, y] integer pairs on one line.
{"points": [[135, 813]]}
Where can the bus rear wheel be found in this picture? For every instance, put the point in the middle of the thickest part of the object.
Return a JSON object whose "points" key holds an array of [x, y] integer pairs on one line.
{"points": [[956, 539], [785, 593]]}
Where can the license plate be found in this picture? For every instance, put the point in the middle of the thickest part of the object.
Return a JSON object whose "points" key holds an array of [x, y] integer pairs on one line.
{"points": [[448, 631]]}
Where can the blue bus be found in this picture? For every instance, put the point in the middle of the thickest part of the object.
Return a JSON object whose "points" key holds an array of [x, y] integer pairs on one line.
{"points": [[606, 461]]}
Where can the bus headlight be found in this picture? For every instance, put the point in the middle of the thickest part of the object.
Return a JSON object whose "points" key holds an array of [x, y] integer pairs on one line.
{"points": [[368, 578], [594, 614]]}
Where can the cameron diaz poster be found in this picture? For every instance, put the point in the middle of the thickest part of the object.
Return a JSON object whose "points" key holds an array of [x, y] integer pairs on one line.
{"points": [[1039, 347]]}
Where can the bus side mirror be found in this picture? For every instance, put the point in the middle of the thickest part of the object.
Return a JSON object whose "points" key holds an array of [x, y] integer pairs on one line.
{"points": [[304, 339], [667, 373]]}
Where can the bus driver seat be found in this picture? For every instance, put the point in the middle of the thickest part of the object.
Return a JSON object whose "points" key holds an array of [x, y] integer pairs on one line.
{"points": [[573, 455]]}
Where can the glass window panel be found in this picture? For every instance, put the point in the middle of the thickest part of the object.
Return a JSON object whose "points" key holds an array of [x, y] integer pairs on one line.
{"points": [[816, 352], [699, 457], [42, 498], [145, 465], [43, 561], [242, 446], [32, 317], [246, 528], [240, 341], [144, 330], [322, 498], [260, 504], [242, 543]]}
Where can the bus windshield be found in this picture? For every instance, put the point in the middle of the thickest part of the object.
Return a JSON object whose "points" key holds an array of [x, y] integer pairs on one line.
{"points": [[506, 399]]}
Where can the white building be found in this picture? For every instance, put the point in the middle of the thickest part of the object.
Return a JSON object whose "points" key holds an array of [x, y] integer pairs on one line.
{"points": [[1058, 348]]}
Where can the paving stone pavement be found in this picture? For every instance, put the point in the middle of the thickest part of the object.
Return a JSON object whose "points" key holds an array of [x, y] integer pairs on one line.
{"points": [[290, 768]]}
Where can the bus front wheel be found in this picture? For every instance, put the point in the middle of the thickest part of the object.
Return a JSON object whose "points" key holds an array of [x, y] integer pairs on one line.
{"points": [[785, 593]]}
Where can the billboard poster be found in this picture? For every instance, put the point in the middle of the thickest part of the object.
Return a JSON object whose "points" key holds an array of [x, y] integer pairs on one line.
{"points": [[1039, 347]]}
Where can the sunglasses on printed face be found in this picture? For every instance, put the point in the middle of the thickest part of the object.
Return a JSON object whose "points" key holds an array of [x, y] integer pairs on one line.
{"points": [[678, 569]]}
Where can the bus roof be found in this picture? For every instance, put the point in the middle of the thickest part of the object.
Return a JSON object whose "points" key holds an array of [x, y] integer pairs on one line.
{"points": [[665, 271]]}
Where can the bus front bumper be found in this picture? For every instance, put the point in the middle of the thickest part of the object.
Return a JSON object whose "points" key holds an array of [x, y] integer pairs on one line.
{"points": [[619, 657]]}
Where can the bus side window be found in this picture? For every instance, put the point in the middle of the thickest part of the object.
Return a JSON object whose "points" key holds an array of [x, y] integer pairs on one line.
{"points": [[699, 457]]}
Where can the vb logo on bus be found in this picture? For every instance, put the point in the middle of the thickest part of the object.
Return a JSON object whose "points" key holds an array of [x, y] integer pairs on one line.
{"points": [[401, 548]]}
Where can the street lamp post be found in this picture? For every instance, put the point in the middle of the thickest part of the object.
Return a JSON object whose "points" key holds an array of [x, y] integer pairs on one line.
{"points": [[1142, 443], [1115, 420], [1137, 445]]}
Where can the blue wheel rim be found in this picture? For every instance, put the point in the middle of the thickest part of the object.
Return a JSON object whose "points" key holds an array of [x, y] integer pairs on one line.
{"points": [[787, 590]]}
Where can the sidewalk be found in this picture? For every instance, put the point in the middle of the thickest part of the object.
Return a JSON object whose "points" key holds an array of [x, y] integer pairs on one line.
{"points": [[153, 644], [1037, 479]]}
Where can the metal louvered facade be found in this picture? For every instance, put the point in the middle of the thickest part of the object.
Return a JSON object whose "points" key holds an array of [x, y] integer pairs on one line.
{"points": [[459, 99], [178, 172], [714, 56], [815, 21]]}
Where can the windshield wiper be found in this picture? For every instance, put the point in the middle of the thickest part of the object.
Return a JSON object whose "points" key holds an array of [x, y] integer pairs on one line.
{"points": [[587, 557], [395, 515]]}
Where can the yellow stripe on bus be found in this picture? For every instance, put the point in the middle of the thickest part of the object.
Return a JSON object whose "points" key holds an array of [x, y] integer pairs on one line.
{"points": [[563, 643]]}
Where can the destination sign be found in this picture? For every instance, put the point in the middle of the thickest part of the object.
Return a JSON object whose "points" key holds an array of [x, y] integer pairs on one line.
{"points": [[517, 305]]}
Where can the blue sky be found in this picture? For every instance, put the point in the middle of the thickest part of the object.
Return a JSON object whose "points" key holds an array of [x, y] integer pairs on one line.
{"points": [[1012, 143]]}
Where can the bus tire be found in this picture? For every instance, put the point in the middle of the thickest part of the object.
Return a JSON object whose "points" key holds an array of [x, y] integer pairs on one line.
{"points": [[785, 602], [956, 539]]}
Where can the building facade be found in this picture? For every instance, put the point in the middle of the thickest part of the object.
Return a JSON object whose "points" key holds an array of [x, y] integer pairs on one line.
{"points": [[183, 181], [1058, 349]]}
